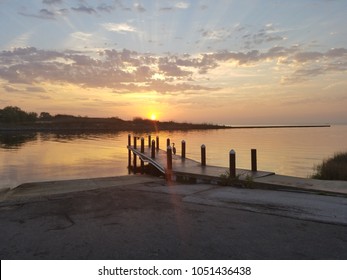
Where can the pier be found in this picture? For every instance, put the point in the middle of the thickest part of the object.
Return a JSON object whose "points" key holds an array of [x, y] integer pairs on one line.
{"points": [[180, 168]]}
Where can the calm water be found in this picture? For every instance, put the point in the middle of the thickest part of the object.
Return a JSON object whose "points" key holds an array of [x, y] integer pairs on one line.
{"points": [[41, 157]]}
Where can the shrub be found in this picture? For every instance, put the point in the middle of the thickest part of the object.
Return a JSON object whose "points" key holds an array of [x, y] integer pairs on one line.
{"points": [[334, 168]]}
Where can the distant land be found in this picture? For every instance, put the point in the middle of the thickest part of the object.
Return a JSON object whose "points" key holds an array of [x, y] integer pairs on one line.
{"points": [[17, 120], [279, 126]]}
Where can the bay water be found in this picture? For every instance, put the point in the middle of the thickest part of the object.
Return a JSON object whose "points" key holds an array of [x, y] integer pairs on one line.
{"points": [[31, 156]]}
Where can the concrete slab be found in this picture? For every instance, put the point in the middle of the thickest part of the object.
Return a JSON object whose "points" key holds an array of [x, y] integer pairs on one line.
{"points": [[176, 189], [41, 189], [304, 184], [303, 206], [306, 206]]}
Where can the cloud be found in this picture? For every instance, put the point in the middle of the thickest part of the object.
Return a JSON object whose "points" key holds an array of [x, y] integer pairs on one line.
{"points": [[84, 9], [42, 14], [35, 89], [105, 8], [51, 2], [166, 9], [122, 71], [128, 71], [179, 5], [138, 7], [216, 34], [119, 27], [45, 13], [81, 35], [171, 69], [11, 89], [182, 5]]}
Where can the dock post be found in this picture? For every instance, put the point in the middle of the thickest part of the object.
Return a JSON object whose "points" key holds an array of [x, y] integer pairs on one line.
{"points": [[167, 142], [142, 145], [135, 163], [153, 149], [254, 159], [183, 149], [169, 163], [135, 157], [149, 141], [232, 164], [157, 142], [135, 144], [142, 151], [203, 155], [129, 152]]}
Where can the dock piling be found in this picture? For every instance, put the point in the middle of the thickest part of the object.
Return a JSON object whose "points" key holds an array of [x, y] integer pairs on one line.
{"points": [[167, 142], [157, 142], [135, 157], [149, 140], [203, 155], [142, 145], [142, 151], [129, 152], [254, 160], [153, 149], [135, 142], [232, 163], [183, 149], [169, 162]]}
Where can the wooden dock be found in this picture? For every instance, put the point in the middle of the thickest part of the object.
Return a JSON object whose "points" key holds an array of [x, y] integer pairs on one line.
{"points": [[178, 167]]}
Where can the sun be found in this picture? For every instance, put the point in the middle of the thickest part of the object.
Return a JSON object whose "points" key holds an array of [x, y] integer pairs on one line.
{"points": [[153, 116]]}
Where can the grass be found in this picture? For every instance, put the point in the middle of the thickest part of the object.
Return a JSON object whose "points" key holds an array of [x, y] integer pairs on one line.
{"points": [[334, 168], [227, 180]]}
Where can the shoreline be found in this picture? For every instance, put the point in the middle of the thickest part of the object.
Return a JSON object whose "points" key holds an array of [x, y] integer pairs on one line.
{"points": [[280, 126], [178, 127]]}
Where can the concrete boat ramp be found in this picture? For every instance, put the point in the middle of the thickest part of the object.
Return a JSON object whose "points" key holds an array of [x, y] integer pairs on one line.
{"points": [[307, 199]]}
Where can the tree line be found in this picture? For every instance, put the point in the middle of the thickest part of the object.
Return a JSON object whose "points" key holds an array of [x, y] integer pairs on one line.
{"points": [[13, 114]]}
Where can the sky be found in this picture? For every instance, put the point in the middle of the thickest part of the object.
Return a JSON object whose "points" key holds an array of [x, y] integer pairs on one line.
{"points": [[220, 61]]}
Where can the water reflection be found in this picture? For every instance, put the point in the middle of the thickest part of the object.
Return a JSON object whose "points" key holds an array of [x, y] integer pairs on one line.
{"points": [[56, 156], [14, 140]]}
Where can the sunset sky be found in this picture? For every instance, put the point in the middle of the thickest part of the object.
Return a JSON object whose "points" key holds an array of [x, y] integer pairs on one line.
{"points": [[220, 61]]}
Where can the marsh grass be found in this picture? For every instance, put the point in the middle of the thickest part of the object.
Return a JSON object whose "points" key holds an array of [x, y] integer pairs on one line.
{"points": [[334, 168]]}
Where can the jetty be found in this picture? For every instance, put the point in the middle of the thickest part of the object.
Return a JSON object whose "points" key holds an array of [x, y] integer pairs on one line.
{"points": [[180, 168]]}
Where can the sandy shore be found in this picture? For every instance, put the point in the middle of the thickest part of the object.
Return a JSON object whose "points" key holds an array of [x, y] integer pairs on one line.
{"points": [[140, 217]]}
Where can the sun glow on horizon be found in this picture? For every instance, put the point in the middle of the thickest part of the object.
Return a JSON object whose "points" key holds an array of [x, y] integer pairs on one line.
{"points": [[153, 116]]}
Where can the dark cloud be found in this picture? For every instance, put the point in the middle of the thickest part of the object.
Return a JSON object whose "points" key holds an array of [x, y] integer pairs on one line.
{"points": [[220, 34], [171, 69], [84, 9], [45, 13], [42, 14]]}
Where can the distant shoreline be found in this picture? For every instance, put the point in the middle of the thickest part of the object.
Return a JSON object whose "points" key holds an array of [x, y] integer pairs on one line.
{"points": [[279, 126], [69, 127], [13, 119]]}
